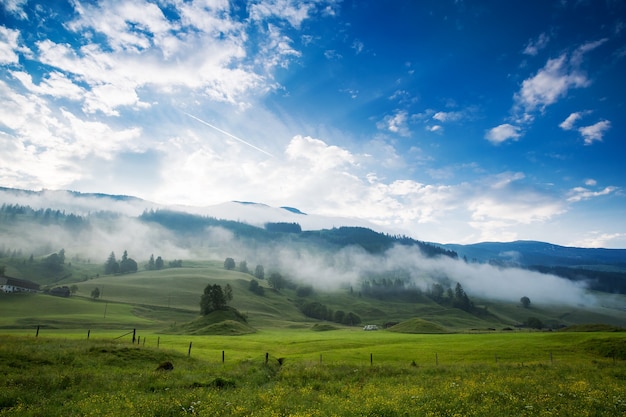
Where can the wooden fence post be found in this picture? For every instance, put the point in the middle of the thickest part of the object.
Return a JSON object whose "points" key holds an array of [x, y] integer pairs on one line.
{"points": [[37, 333], [437, 359], [189, 351], [371, 359], [158, 341], [88, 333], [222, 356], [267, 357], [134, 332]]}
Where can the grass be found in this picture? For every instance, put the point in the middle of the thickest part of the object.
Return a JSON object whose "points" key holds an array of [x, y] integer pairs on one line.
{"points": [[66, 376], [313, 368]]}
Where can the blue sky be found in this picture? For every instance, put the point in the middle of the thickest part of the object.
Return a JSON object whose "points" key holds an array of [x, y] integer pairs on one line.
{"points": [[450, 121]]}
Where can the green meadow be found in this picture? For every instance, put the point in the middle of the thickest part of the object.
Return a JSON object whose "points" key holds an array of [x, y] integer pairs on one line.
{"points": [[75, 356]]}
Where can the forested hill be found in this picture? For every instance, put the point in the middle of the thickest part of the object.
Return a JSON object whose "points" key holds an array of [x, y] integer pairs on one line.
{"points": [[185, 225], [370, 240]]}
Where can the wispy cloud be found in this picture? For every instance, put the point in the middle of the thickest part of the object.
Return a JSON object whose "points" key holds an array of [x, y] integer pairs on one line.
{"points": [[396, 123], [570, 121], [535, 45], [581, 193]]}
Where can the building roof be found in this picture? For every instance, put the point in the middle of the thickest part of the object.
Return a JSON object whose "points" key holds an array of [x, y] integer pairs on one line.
{"points": [[17, 282]]}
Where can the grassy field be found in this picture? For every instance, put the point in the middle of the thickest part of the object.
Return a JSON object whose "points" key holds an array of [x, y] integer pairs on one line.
{"points": [[82, 361], [171, 296], [357, 374]]}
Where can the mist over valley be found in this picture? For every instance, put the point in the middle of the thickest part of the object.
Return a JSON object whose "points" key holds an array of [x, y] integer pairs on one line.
{"points": [[328, 255]]}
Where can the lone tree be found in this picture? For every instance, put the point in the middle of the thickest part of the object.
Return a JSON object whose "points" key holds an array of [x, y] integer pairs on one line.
{"points": [[111, 266], [95, 293], [229, 263], [214, 298], [525, 301], [276, 281], [534, 323], [259, 272]]}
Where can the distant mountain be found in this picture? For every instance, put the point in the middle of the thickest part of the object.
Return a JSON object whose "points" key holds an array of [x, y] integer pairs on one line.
{"points": [[528, 253]]}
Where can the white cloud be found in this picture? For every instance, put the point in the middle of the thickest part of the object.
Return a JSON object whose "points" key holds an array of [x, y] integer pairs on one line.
{"points": [[452, 116], [292, 11], [53, 84], [358, 46], [502, 133], [534, 46], [580, 193], [276, 49], [579, 53], [599, 240], [594, 132], [590, 182], [397, 123], [108, 98], [128, 26], [551, 83], [568, 123], [15, 7], [8, 46]]}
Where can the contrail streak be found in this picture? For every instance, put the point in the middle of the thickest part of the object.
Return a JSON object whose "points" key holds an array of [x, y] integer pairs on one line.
{"points": [[228, 134]]}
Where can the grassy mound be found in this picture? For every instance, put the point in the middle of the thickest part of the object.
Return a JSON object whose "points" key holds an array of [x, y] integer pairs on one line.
{"points": [[416, 325], [608, 348], [220, 322], [323, 327], [592, 328]]}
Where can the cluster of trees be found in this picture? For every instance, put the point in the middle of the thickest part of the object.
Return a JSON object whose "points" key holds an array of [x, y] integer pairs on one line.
{"points": [[230, 264], [456, 298], [398, 288], [317, 310], [283, 227], [13, 212], [128, 265], [54, 261], [215, 298], [125, 266], [159, 263]]}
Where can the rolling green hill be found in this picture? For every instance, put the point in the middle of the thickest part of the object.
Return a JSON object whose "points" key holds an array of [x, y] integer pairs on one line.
{"points": [[170, 297]]}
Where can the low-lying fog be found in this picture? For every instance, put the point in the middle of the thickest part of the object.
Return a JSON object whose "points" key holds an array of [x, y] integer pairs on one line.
{"points": [[304, 264]]}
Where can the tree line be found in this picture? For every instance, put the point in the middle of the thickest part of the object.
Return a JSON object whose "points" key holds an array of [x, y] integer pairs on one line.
{"points": [[128, 265]]}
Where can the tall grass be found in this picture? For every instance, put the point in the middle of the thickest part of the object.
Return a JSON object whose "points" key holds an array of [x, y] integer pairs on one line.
{"points": [[69, 377]]}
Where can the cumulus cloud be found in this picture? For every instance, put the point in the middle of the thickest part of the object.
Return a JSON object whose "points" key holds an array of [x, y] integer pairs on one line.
{"points": [[549, 84], [502, 133], [8, 46], [595, 132], [15, 7]]}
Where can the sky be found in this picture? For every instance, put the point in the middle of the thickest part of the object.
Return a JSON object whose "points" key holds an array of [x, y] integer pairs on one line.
{"points": [[451, 121]]}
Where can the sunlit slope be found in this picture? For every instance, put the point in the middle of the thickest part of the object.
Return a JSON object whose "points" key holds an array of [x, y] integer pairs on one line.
{"points": [[32, 310], [170, 297], [181, 288]]}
